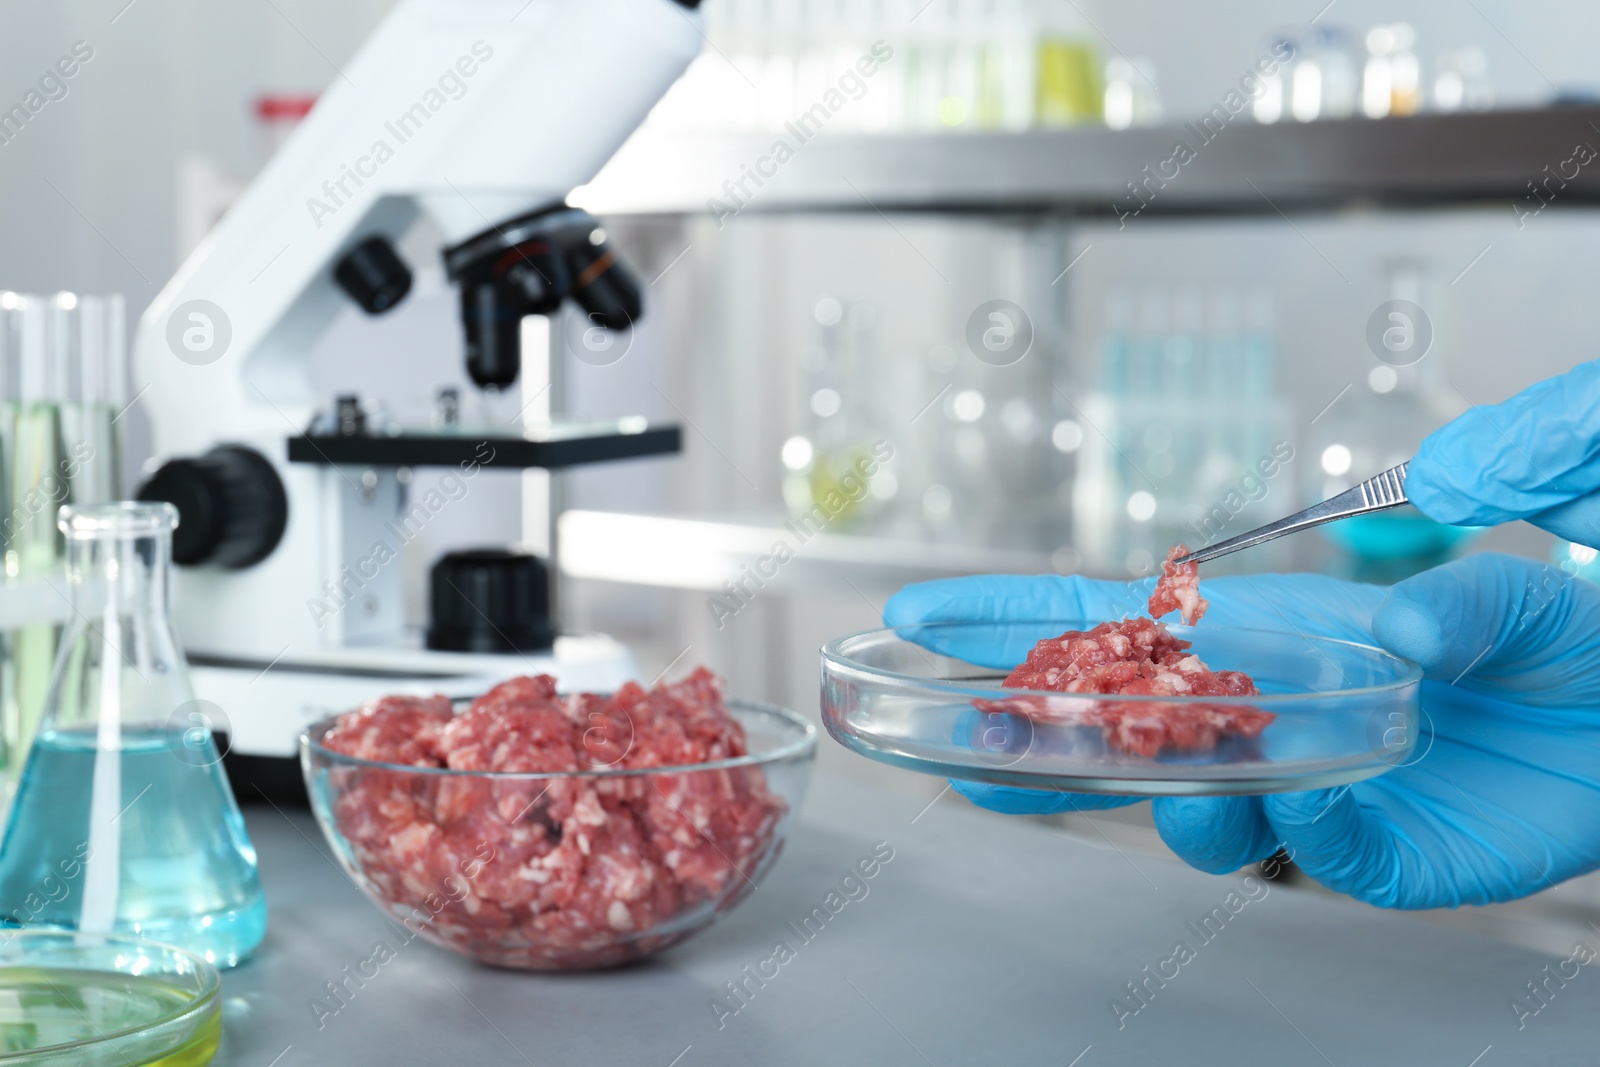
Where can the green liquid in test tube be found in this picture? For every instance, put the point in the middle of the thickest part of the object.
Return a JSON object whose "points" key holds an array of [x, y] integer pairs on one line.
{"points": [[33, 549], [62, 385]]}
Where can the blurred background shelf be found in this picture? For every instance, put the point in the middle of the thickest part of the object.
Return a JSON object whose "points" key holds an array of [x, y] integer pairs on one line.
{"points": [[702, 552], [1245, 168]]}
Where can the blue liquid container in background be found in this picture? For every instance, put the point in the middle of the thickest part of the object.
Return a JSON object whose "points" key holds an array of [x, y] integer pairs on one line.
{"points": [[124, 820]]}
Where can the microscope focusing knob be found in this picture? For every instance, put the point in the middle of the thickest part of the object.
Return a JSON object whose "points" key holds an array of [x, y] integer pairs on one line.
{"points": [[232, 509], [490, 600], [373, 275]]}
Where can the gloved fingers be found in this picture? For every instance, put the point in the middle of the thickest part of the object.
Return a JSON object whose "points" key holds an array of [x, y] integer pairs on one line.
{"points": [[1004, 610], [1498, 624], [1576, 520], [993, 597], [1532, 453], [1215, 834], [1348, 848], [1010, 800], [1313, 604]]}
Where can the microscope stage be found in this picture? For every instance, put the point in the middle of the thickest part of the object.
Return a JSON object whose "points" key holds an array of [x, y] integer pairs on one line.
{"points": [[561, 444]]}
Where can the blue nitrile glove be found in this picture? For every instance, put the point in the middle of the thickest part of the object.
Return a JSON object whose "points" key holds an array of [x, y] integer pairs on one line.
{"points": [[1534, 457], [1502, 796]]}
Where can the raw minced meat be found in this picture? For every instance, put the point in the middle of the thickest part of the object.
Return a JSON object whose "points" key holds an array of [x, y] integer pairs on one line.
{"points": [[565, 872], [1178, 589], [1139, 657]]}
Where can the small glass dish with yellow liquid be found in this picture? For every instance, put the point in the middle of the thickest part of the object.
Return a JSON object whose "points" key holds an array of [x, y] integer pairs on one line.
{"points": [[103, 999]]}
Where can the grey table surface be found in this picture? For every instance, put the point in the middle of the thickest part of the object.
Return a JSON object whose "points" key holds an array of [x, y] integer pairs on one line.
{"points": [[983, 941]]}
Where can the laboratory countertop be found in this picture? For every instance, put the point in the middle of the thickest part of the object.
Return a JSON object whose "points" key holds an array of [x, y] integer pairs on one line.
{"points": [[982, 941]]}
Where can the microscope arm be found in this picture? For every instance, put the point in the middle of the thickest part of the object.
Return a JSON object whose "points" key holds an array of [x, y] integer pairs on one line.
{"points": [[476, 113], [469, 111]]}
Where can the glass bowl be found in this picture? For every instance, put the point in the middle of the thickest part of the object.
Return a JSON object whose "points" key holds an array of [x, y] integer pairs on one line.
{"points": [[641, 860], [104, 1000], [911, 697]]}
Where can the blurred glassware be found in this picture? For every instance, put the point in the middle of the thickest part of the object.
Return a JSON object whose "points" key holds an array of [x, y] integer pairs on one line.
{"points": [[842, 378], [36, 458], [1189, 436], [1379, 424], [962, 47], [12, 335], [814, 54], [955, 65], [124, 778], [37, 486], [880, 102], [778, 67], [1011, 70], [1131, 96], [63, 383], [90, 346], [745, 63], [1323, 81], [1461, 81], [1391, 82], [1068, 90], [921, 59], [1271, 105]]}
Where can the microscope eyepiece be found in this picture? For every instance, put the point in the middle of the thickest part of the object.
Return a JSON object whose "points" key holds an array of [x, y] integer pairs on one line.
{"points": [[373, 275]]}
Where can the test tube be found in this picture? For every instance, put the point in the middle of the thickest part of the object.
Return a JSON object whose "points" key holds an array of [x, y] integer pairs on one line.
{"points": [[97, 359], [36, 492], [10, 714], [1270, 106], [10, 367], [10, 346], [34, 378]]}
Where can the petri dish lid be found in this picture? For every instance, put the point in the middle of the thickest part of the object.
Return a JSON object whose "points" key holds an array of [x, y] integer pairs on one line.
{"points": [[928, 698]]}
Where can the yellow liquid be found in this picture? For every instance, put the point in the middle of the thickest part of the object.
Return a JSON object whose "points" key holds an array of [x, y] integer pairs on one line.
{"points": [[829, 486], [1068, 90], [42, 1007]]}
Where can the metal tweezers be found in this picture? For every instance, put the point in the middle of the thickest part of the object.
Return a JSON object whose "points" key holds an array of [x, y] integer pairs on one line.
{"points": [[1378, 493]]}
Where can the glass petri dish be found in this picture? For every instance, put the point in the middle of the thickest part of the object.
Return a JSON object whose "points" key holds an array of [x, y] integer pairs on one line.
{"points": [[104, 1000], [928, 698]]}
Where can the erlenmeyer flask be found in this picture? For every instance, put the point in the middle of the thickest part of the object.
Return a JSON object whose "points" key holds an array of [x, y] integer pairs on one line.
{"points": [[124, 820]]}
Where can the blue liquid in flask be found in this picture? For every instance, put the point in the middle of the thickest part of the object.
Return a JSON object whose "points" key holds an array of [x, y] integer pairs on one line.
{"points": [[123, 821], [184, 871]]}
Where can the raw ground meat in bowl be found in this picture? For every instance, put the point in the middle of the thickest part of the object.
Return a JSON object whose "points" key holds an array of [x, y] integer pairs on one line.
{"points": [[548, 831]]}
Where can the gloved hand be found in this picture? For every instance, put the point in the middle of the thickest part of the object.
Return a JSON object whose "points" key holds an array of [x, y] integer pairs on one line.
{"points": [[1502, 795], [1534, 457]]}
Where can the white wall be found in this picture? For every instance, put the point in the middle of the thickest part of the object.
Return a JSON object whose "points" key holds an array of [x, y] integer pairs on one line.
{"points": [[88, 195], [86, 190]]}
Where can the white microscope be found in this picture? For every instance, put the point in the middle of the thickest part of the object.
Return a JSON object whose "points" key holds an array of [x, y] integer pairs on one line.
{"points": [[481, 115]]}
